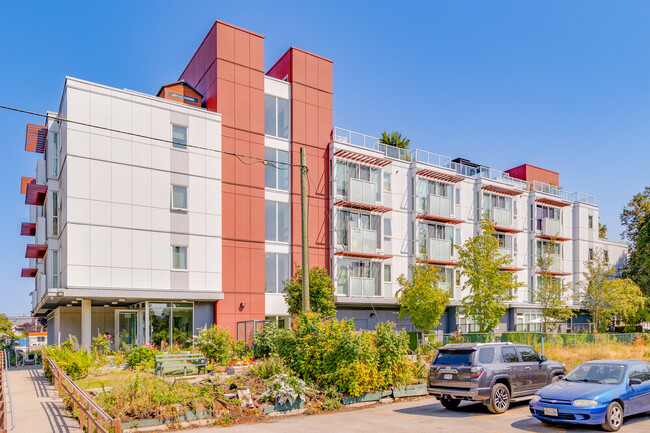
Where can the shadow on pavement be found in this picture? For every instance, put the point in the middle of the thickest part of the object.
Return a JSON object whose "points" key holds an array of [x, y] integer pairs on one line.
{"points": [[534, 425], [465, 408]]}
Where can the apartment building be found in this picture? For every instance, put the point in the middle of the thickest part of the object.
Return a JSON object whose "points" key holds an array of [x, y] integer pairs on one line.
{"points": [[155, 216]]}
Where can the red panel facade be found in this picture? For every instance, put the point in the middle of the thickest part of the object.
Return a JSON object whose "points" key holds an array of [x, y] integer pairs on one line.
{"points": [[228, 69], [311, 125], [530, 173]]}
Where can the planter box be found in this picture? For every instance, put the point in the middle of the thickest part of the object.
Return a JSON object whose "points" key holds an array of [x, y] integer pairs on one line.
{"points": [[365, 398], [298, 404], [410, 390], [188, 416]]}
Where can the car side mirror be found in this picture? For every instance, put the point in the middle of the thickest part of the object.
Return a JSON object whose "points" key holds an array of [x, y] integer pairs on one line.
{"points": [[634, 382], [543, 358]]}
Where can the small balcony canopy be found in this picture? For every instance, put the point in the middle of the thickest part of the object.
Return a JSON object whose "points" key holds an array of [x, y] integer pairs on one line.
{"points": [[360, 157], [35, 251], [551, 202], [35, 138], [28, 229], [35, 194], [445, 177], [28, 272], [502, 190]]}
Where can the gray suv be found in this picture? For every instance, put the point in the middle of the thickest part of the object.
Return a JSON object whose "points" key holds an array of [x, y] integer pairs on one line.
{"points": [[492, 373]]}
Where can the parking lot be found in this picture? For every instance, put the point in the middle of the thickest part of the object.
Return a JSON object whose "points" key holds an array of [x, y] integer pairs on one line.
{"points": [[423, 415]]}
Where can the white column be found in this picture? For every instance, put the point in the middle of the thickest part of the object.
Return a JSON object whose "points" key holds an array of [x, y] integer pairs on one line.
{"points": [[57, 326], [85, 323]]}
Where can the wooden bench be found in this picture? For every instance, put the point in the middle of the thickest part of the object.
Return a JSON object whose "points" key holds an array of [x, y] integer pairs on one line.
{"points": [[181, 360]]}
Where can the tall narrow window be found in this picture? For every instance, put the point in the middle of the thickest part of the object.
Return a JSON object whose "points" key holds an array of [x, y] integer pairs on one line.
{"points": [[591, 254], [276, 221], [55, 214], [591, 221], [179, 197], [55, 155], [179, 137], [386, 181], [276, 272], [276, 171], [387, 274], [179, 258], [55, 268], [277, 113]]}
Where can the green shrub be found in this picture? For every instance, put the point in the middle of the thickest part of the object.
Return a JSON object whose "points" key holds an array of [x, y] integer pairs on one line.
{"points": [[144, 357], [215, 343], [75, 361], [272, 340], [270, 367], [240, 349]]}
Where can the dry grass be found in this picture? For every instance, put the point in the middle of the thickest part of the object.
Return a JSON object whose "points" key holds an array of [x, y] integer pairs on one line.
{"points": [[573, 356]]}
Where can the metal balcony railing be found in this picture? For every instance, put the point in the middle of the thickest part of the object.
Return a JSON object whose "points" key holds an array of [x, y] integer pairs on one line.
{"points": [[362, 191]]}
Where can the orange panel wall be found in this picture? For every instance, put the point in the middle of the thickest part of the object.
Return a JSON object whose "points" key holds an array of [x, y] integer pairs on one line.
{"points": [[228, 69], [311, 125], [530, 173]]}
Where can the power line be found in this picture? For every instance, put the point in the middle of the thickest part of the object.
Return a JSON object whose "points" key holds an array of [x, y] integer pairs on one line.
{"points": [[133, 134]]}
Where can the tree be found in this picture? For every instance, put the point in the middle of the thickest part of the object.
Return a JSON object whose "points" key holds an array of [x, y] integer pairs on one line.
{"points": [[602, 231], [636, 219], [605, 297], [321, 292], [490, 287], [5, 325], [421, 298], [395, 139], [553, 295]]}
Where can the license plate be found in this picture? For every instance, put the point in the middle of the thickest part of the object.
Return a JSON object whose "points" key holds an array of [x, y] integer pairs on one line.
{"points": [[550, 411], [448, 376]]}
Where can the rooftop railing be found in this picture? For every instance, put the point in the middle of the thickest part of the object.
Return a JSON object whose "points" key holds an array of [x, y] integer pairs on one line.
{"points": [[368, 142]]}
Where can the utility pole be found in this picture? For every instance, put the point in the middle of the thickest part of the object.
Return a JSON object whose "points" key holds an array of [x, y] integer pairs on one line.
{"points": [[305, 244]]}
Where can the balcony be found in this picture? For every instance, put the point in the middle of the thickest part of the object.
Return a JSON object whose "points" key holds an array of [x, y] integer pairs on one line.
{"points": [[556, 267], [40, 237], [39, 292], [439, 206], [505, 251], [439, 250], [362, 286], [362, 191], [550, 227], [363, 241], [502, 217]]}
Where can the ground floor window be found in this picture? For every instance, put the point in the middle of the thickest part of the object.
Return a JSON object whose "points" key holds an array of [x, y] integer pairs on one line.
{"points": [[282, 321], [171, 322]]}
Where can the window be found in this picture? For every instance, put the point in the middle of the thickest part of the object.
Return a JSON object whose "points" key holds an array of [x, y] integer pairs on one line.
{"points": [[276, 268], [544, 248], [590, 221], [358, 278], [55, 268], [606, 256], [486, 355], [505, 241], [387, 276], [347, 220], [348, 170], [386, 181], [508, 354], [179, 258], [171, 322], [458, 196], [55, 213], [453, 357], [276, 171], [276, 221], [498, 208], [276, 117], [426, 187], [591, 254], [528, 354], [179, 197], [546, 212], [179, 137], [433, 231], [55, 155], [457, 278], [640, 371]]}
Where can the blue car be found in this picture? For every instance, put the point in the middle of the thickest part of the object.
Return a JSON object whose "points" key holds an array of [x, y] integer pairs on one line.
{"points": [[596, 392]]}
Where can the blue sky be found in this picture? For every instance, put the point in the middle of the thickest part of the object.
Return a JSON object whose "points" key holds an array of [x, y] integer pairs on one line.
{"points": [[562, 85]]}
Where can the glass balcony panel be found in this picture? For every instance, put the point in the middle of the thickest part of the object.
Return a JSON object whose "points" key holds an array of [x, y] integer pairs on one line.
{"points": [[363, 241], [505, 251], [502, 217], [557, 263], [439, 206], [439, 249], [362, 286], [550, 227], [362, 191]]}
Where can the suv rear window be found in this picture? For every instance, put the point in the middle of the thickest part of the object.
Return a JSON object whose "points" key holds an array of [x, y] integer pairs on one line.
{"points": [[486, 355], [453, 357]]}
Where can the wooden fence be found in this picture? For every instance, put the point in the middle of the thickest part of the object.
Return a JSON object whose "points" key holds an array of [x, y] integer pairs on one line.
{"points": [[92, 417]]}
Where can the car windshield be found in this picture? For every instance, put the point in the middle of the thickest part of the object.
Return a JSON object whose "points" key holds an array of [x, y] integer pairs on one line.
{"points": [[597, 373], [453, 357]]}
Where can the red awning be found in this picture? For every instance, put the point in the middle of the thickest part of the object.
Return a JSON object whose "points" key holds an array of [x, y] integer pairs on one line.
{"points": [[28, 229], [549, 237], [35, 251], [439, 176], [501, 190], [35, 138], [552, 202], [28, 272], [509, 269], [35, 194], [362, 206], [362, 255], [437, 262], [556, 274], [23, 183], [360, 157], [440, 219], [507, 229]]}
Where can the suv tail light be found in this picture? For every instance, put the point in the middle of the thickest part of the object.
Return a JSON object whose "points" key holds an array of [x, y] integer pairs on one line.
{"points": [[476, 372]]}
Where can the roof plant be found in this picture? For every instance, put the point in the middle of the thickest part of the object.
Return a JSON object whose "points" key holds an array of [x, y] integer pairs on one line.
{"points": [[395, 139]]}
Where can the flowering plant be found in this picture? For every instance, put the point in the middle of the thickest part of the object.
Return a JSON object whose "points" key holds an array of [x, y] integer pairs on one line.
{"points": [[283, 388]]}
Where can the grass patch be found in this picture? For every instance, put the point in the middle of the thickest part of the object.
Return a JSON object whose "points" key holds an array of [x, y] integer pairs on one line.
{"points": [[573, 356], [105, 380]]}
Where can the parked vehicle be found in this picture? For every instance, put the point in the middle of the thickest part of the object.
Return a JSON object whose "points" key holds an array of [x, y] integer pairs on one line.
{"points": [[492, 373], [596, 392]]}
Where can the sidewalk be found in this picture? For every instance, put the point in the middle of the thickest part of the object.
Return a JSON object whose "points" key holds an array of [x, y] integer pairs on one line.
{"points": [[37, 408]]}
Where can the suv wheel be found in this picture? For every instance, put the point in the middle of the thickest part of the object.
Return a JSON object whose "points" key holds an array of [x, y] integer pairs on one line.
{"points": [[499, 399], [449, 402], [613, 417]]}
